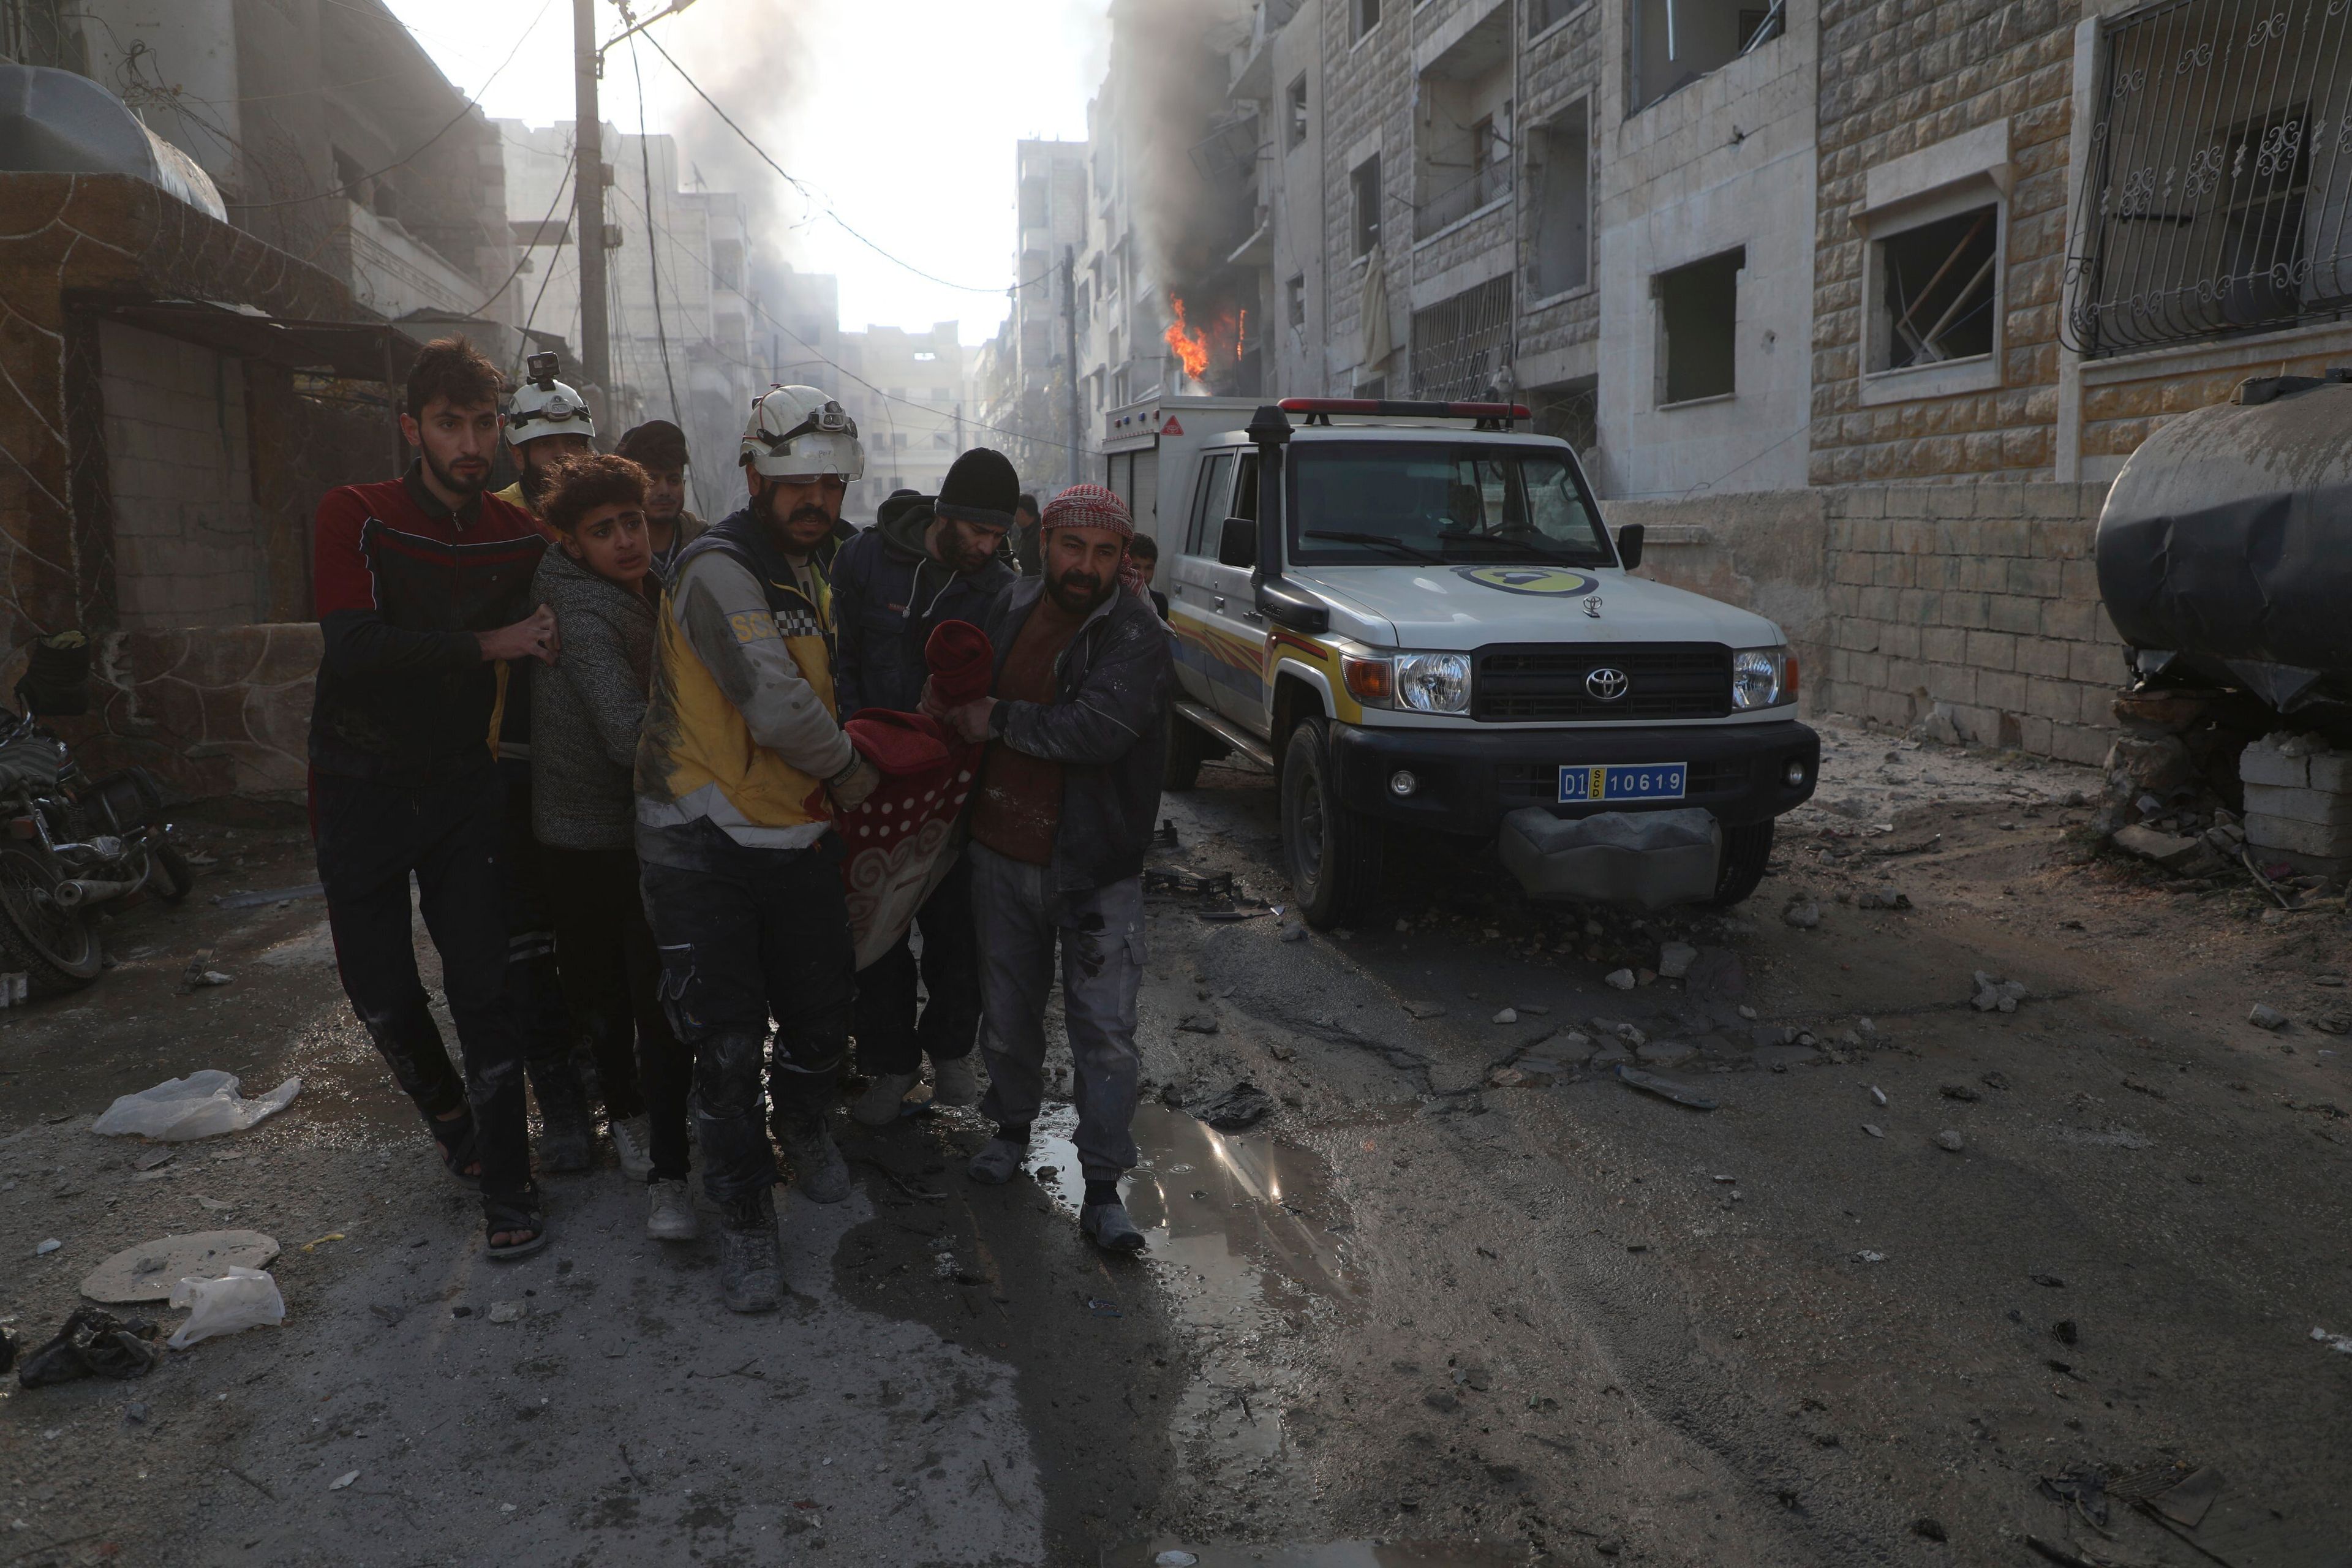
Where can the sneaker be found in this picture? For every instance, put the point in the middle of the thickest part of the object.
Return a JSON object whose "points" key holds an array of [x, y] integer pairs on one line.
{"points": [[818, 1170], [955, 1081], [632, 1142], [997, 1164], [669, 1212], [1110, 1229], [750, 1264], [878, 1106]]}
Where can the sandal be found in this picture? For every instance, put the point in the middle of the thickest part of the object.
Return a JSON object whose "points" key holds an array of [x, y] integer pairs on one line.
{"points": [[455, 1141], [508, 1214]]}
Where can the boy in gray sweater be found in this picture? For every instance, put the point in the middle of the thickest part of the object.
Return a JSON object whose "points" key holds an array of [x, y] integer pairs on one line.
{"points": [[585, 722]]}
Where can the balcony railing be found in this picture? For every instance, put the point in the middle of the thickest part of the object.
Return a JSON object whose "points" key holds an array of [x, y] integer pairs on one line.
{"points": [[1451, 203]]}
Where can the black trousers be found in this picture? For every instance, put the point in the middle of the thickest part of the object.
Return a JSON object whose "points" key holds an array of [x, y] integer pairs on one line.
{"points": [[372, 838], [611, 978], [747, 934], [534, 989], [889, 1039]]}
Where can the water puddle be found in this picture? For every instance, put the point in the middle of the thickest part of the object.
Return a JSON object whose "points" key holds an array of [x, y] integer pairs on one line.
{"points": [[1322, 1554], [1246, 1213]]}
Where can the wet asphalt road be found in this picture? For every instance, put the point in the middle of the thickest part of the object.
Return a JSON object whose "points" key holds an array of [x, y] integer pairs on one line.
{"points": [[1514, 1321]]}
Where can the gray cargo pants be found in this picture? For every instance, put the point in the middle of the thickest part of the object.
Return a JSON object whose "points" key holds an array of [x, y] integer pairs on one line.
{"points": [[1019, 918]]}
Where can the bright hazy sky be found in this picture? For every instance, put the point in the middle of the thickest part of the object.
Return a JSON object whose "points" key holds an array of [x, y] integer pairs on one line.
{"points": [[902, 112]]}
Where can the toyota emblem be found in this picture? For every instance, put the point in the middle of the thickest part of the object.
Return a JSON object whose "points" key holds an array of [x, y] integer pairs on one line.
{"points": [[1607, 685]]}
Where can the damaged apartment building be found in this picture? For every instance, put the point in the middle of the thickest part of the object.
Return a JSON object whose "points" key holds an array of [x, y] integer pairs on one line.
{"points": [[231, 224], [1858, 305]]}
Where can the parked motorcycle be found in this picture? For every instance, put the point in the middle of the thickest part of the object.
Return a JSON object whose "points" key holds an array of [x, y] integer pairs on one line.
{"points": [[68, 845]]}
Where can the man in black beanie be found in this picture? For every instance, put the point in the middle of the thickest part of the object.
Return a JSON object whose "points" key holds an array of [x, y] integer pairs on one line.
{"points": [[922, 562], [658, 448]]}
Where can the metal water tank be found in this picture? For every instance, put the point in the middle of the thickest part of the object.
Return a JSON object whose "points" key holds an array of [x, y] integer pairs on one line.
{"points": [[61, 122]]}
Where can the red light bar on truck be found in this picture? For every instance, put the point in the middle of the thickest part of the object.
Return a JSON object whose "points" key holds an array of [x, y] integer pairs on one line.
{"points": [[1489, 416]]}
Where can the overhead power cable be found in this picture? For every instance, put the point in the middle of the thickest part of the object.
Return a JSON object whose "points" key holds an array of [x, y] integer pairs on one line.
{"points": [[818, 200], [347, 186], [653, 243]]}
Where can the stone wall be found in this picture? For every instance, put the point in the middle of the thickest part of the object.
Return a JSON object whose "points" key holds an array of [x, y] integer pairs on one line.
{"points": [[1972, 609], [1897, 77]]}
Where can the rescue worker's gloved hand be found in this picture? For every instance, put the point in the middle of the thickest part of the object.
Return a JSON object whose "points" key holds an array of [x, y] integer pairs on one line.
{"points": [[851, 787]]}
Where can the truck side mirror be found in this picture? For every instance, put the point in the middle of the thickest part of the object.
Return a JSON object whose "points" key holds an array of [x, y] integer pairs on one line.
{"points": [[1237, 543], [1629, 544]]}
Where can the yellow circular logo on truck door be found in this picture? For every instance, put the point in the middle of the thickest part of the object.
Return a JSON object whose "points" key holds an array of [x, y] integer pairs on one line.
{"points": [[1544, 582]]}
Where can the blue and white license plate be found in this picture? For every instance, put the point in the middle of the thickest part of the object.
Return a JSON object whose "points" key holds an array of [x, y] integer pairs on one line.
{"points": [[1623, 781]]}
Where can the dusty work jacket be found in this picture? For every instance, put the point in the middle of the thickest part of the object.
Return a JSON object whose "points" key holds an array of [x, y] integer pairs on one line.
{"points": [[740, 725]]}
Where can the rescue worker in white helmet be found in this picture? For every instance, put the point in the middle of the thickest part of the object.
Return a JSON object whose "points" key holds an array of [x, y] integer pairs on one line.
{"points": [[741, 766], [546, 422]]}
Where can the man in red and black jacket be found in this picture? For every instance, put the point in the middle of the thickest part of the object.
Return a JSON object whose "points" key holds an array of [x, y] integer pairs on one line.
{"points": [[424, 589]]}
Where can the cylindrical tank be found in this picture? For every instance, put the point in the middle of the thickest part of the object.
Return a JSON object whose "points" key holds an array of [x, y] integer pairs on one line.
{"points": [[2226, 543]]}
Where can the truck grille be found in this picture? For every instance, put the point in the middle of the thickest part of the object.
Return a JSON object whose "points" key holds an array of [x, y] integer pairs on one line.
{"points": [[1663, 680]]}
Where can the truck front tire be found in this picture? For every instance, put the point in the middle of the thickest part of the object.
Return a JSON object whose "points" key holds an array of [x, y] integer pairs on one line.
{"points": [[1333, 854], [1747, 850]]}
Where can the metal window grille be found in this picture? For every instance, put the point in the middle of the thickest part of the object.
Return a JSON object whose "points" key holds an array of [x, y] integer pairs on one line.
{"points": [[2219, 184], [1461, 345]]}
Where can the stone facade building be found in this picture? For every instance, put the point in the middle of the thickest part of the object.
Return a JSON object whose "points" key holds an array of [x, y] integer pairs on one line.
{"points": [[912, 397]]}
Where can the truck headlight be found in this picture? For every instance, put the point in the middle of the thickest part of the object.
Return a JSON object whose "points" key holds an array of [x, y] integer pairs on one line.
{"points": [[1433, 682], [1762, 678]]}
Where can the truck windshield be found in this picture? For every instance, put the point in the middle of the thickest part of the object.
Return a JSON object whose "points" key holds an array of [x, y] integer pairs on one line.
{"points": [[1386, 501]]}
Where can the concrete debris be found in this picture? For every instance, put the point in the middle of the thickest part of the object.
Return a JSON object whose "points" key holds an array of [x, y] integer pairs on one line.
{"points": [[1666, 1053], [1507, 1015], [1665, 1088], [1803, 916], [2172, 851], [1291, 934], [1874, 1130], [1878, 1095], [45, 1248], [506, 1311], [1949, 1140], [2339, 1342], [1997, 995], [1870, 1258], [2265, 1016], [1961, 1092], [1675, 960], [339, 1482], [1622, 979], [1237, 1110], [1882, 898]]}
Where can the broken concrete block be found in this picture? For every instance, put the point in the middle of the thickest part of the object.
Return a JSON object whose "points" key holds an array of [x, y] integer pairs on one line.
{"points": [[2285, 833], [2324, 807], [2265, 1016], [1675, 959], [2267, 762], [2170, 850]]}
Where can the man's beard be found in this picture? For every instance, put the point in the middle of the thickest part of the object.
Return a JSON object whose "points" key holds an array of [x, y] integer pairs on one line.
{"points": [[454, 485], [1078, 593], [807, 511]]}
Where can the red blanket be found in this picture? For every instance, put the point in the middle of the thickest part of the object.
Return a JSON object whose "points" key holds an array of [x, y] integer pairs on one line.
{"points": [[901, 838]]}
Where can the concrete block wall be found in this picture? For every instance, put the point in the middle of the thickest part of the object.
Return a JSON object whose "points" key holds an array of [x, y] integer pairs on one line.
{"points": [[179, 466], [1976, 604]]}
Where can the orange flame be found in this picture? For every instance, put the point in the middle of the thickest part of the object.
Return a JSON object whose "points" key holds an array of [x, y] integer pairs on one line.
{"points": [[1241, 337], [1187, 344]]}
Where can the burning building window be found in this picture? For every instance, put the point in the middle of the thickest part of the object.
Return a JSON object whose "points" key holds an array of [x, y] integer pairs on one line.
{"points": [[1698, 328], [1365, 184], [1215, 352]]}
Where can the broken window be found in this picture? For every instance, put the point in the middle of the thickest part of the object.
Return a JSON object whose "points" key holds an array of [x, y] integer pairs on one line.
{"points": [[1298, 111], [1563, 205], [1365, 184], [1938, 285], [1461, 345], [1675, 42], [1462, 153], [1296, 291], [1544, 14], [1698, 322]]}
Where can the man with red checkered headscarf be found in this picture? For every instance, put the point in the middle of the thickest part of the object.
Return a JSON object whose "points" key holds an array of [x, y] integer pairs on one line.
{"points": [[1076, 730]]}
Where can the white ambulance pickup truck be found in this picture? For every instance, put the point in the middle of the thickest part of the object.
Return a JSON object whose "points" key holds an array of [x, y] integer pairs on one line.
{"points": [[1413, 615]]}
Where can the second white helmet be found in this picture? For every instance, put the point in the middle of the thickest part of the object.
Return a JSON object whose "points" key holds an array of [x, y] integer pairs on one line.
{"points": [[543, 406], [799, 433]]}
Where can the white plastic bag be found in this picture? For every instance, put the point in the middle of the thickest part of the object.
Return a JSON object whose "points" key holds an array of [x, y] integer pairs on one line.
{"points": [[242, 1299], [201, 1105]]}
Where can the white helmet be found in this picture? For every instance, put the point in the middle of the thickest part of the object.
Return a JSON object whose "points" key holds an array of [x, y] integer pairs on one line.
{"points": [[545, 406], [800, 433]]}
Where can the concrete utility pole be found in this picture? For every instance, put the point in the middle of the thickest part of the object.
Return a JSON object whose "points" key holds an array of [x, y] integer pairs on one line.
{"points": [[588, 153], [1070, 357]]}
